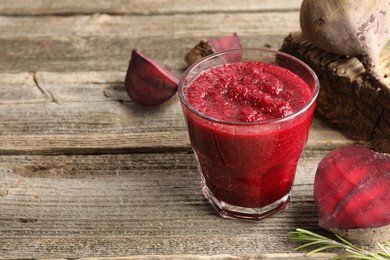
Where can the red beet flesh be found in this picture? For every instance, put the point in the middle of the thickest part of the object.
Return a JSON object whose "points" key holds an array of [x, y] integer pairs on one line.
{"points": [[352, 189], [147, 82]]}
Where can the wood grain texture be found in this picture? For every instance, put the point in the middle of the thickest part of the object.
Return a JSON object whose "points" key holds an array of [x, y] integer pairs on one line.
{"points": [[132, 204], [166, 26], [104, 42], [282, 256], [141, 7], [279, 256], [87, 173], [90, 112]]}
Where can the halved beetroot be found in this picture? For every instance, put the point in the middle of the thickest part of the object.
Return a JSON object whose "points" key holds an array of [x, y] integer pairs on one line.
{"points": [[352, 193], [212, 45], [147, 82]]}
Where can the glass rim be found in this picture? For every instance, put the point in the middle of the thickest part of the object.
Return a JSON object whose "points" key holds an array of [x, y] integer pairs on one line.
{"points": [[296, 113]]}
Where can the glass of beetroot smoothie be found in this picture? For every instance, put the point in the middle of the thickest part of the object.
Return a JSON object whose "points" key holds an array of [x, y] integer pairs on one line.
{"points": [[248, 113]]}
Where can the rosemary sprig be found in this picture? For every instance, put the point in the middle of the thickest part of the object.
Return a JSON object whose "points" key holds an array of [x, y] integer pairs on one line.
{"points": [[323, 243]]}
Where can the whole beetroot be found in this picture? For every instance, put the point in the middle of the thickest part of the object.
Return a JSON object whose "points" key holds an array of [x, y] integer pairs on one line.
{"points": [[357, 28], [352, 193]]}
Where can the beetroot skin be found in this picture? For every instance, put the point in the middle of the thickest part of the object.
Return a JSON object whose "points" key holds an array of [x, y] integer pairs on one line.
{"points": [[356, 28], [147, 82], [211, 46], [352, 189]]}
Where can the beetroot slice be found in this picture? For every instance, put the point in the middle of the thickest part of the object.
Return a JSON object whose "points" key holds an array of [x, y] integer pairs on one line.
{"points": [[212, 45], [147, 82], [352, 189]]}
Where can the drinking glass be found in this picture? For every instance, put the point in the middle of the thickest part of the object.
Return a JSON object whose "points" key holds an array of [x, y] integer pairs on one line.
{"points": [[247, 168]]}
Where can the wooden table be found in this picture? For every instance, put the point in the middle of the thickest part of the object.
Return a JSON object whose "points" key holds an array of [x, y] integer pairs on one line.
{"points": [[87, 173]]}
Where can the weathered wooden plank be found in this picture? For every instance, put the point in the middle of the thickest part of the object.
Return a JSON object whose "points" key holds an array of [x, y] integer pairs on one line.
{"points": [[133, 204], [19, 88], [172, 26], [106, 53], [42, 136], [90, 112], [140, 7], [87, 173], [279, 256], [104, 42]]}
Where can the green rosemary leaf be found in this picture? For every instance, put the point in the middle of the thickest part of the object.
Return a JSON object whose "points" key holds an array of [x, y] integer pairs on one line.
{"points": [[351, 251], [312, 234], [347, 242], [385, 256], [310, 244], [385, 252], [323, 248], [363, 254]]}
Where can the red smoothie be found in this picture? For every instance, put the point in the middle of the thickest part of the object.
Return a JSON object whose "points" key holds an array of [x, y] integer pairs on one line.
{"points": [[245, 134]]}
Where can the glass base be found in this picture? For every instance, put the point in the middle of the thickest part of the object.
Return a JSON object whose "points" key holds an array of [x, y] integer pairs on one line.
{"points": [[227, 210]]}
